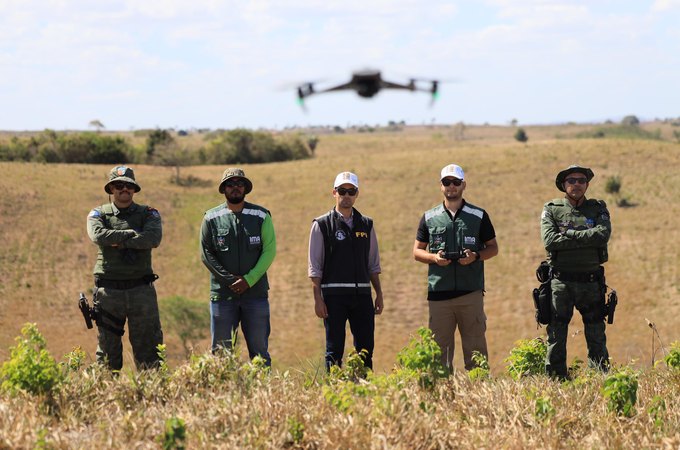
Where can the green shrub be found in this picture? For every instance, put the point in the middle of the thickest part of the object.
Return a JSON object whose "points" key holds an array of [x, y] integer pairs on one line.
{"points": [[527, 358], [74, 360], [543, 409], [630, 121], [30, 366], [174, 435], [241, 146], [521, 135], [612, 185], [619, 132], [620, 390], [422, 357], [672, 359], [657, 410], [481, 369], [296, 430]]}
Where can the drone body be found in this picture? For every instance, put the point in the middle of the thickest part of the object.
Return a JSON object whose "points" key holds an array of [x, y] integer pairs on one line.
{"points": [[366, 84]]}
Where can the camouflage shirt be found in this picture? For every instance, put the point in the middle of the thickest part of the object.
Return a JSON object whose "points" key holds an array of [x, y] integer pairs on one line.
{"points": [[576, 237], [125, 238]]}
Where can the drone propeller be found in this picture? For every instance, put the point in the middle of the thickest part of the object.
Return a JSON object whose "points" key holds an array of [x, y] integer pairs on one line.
{"points": [[434, 91], [304, 90]]}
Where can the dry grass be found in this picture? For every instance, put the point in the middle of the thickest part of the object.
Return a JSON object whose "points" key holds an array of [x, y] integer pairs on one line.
{"points": [[46, 257], [226, 406]]}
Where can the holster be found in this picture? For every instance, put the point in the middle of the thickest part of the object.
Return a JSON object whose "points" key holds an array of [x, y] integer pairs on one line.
{"points": [[543, 294]]}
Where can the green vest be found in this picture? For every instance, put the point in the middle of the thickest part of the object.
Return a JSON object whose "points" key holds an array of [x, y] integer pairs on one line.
{"points": [[114, 263], [459, 234], [586, 246], [237, 239]]}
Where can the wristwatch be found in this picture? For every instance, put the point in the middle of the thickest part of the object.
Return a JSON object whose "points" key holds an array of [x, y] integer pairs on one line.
{"points": [[477, 256]]}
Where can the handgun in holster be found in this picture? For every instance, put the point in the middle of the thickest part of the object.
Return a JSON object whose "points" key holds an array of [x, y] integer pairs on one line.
{"points": [[610, 306], [95, 314]]}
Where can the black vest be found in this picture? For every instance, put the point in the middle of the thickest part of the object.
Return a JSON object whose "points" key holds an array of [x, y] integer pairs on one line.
{"points": [[345, 266]]}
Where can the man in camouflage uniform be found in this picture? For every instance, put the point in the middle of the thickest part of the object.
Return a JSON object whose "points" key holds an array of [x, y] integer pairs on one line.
{"points": [[125, 233], [575, 232], [237, 246]]}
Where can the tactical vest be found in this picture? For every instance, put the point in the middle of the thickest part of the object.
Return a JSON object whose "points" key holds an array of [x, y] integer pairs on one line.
{"points": [[582, 259], [345, 268], [456, 235], [114, 263], [237, 238]]}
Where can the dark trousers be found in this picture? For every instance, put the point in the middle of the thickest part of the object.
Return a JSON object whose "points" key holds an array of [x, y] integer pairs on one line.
{"points": [[359, 310], [586, 298], [252, 314]]}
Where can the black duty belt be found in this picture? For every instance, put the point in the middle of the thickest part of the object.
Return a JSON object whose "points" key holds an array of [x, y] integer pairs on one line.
{"points": [[588, 277], [124, 284]]}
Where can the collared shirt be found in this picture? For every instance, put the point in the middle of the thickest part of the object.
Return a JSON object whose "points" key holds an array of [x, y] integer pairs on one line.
{"points": [[317, 251]]}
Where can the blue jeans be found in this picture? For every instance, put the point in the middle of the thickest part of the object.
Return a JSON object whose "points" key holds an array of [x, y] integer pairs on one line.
{"points": [[252, 314], [360, 312]]}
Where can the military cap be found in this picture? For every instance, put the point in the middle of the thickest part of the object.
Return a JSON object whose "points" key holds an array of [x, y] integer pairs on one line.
{"points": [[234, 172], [124, 174], [559, 180]]}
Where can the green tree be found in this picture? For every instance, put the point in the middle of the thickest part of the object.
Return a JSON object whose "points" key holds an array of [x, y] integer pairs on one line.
{"points": [[631, 121], [157, 138], [97, 125]]}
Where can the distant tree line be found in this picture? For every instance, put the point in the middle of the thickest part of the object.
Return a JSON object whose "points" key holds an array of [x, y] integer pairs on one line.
{"points": [[239, 146]]}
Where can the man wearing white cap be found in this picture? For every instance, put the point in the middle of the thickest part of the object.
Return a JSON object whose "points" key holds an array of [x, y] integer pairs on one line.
{"points": [[343, 264], [454, 238]]}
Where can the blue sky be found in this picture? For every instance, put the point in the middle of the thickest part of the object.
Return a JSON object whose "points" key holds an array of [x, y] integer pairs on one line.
{"points": [[224, 64]]}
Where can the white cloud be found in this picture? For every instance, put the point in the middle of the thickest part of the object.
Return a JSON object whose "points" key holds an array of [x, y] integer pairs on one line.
{"points": [[666, 5]]}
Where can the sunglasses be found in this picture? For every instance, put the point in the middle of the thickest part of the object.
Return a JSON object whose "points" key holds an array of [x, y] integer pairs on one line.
{"points": [[576, 180], [351, 191], [448, 181], [120, 185], [235, 183]]}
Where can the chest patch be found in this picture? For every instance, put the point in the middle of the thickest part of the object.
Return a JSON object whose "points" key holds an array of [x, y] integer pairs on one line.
{"points": [[220, 240], [470, 240], [255, 240], [340, 235]]}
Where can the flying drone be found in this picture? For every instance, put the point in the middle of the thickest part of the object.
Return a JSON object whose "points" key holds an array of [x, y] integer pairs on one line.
{"points": [[367, 83]]}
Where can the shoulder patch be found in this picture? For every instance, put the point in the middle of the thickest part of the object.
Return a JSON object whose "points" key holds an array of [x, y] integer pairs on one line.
{"points": [[94, 213], [153, 211]]}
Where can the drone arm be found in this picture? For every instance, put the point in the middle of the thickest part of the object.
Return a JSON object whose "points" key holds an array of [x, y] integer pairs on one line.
{"points": [[390, 85], [337, 88]]}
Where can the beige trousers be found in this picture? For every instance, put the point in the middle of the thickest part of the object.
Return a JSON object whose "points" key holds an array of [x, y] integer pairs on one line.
{"points": [[466, 313]]}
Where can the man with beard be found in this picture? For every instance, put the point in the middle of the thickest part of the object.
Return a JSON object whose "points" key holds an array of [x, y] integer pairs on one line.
{"points": [[453, 239], [237, 246], [575, 233], [343, 263], [125, 232]]}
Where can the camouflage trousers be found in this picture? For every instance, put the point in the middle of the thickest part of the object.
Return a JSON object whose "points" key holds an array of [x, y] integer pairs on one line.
{"points": [[587, 298], [139, 306]]}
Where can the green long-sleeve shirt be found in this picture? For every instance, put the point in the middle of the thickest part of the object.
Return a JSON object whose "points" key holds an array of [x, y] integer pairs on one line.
{"points": [[238, 244]]}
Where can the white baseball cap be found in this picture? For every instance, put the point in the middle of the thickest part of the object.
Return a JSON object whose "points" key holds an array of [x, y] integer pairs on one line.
{"points": [[346, 177], [452, 170]]}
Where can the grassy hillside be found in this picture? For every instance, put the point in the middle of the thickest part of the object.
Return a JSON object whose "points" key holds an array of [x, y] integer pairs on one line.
{"points": [[46, 257]]}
